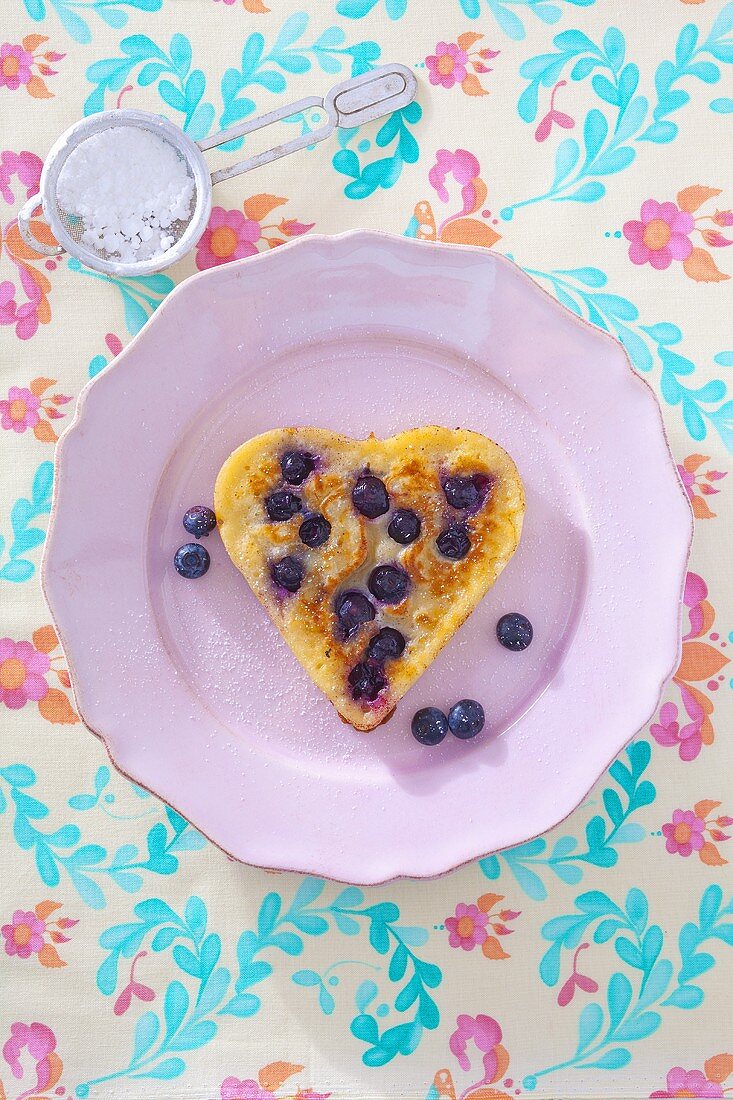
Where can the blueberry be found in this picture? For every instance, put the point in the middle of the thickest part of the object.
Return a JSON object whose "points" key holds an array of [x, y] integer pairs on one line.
{"points": [[199, 521], [404, 527], [192, 560], [353, 609], [386, 645], [296, 466], [367, 680], [514, 631], [453, 543], [461, 492], [314, 530], [282, 505], [370, 496], [429, 726], [388, 583], [288, 573], [466, 719]]}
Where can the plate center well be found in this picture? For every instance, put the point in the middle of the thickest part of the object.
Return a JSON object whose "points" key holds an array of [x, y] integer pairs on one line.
{"points": [[221, 640]]}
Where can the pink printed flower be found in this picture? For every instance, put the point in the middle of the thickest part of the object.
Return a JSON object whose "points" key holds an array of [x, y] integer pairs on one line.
{"points": [[447, 66], [486, 1033], [684, 833], [20, 411], [228, 236], [692, 1083], [22, 671], [464, 168], [39, 1042], [661, 236], [667, 731], [467, 929], [24, 934], [26, 166], [234, 1089], [15, 66], [8, 306]]}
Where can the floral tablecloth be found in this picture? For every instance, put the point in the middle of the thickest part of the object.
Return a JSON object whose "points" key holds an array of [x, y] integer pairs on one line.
{"points": [[587, 139]]}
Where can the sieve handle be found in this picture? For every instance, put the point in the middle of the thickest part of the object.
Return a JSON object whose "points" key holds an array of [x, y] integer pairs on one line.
{"points": [[349, 104], [25, 215]]}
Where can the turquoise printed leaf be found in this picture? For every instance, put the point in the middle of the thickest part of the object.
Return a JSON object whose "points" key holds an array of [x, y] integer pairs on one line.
{"points": [[186, 960], [612, 1059], [365, 994], [18, 775], [312, 888], [165, 1071], [18, 568], [638, 1028], [175, 1007], [243, 1005], [147, 1029], [589, 1026], [306, 977], [656, 983], [193, 1036], [710, 904], [620, 994], [685, 996]]}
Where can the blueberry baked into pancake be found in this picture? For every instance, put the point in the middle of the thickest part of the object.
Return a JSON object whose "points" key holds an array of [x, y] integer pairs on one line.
{"points": [[369, 554]]}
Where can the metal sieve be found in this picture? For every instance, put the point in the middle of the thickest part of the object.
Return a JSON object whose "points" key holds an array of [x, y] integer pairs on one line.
{"points": [[348, 104]]}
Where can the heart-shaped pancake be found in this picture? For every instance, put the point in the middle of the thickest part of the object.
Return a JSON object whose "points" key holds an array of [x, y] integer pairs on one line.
{"points": [[369, 554]]}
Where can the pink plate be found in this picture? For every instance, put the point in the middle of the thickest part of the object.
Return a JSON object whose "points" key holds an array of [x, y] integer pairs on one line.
{"points": [[194, 692]]}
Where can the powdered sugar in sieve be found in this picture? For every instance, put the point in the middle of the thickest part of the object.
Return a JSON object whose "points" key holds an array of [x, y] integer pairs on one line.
{"points": [[136, 212]]}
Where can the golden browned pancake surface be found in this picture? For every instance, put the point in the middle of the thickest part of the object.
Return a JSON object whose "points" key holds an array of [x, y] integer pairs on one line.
{"points": [[442, 593]]}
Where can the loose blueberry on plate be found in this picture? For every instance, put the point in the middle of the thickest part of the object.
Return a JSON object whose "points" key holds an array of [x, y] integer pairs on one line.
{"points": [[514, 631], [192, 560], [453, 543], [353, 609], [386, 645], [282, 505], [404, 527], [461, 492], [199, 521], [370, 497], [314, 530], [296, 466], [288, 573], [388, 583], [429, 726], [367, 680], [466, 719]]}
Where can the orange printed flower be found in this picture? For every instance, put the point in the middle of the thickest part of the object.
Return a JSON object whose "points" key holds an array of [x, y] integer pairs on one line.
{"points": [[451, 61], [699, 485], [28, 408], [17, 63], [695, 831], [24, 668], [25, 934], [664, 234], [471, 926], [701, 662], [233, 234]]}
